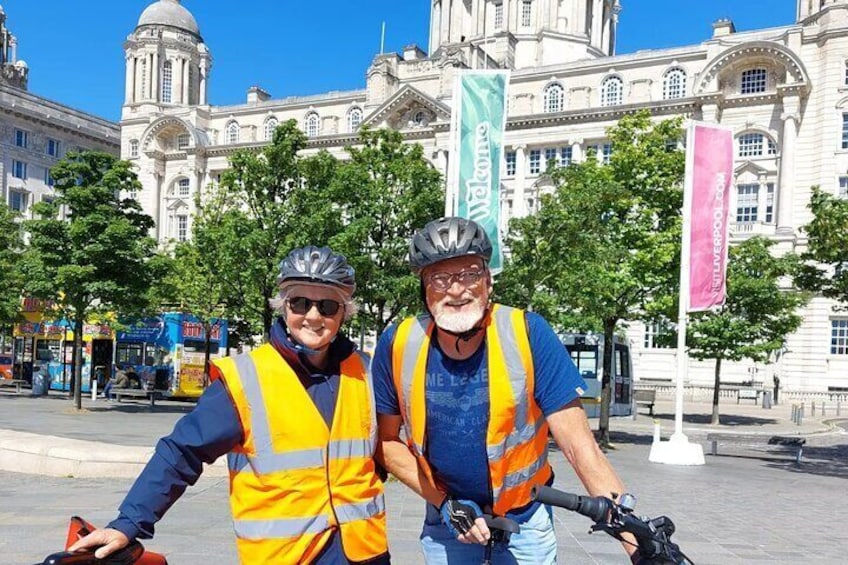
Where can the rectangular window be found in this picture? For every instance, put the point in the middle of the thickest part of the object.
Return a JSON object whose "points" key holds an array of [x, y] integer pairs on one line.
{"points": [[565, 156], [747, 200], [526, 13], [510, 163], [750, 145], [844, 131], [133, 148], [843, 187], [551, 155], [182, 228], [184, 188], [839, 336], [531, 205], [753, 81], [603, 152], [769, 203], [48, 178], [21, 138], [656, 335], [183, 141], [18, 201], [535, 161], [499, 18], [19, 170], [53, 147]]}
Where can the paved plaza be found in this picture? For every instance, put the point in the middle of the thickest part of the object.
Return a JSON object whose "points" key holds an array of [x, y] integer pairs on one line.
{"points": [[748, 506]]}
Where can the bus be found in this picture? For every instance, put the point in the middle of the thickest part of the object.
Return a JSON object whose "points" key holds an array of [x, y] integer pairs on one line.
{"points": [[587, 352], [167, 353]]}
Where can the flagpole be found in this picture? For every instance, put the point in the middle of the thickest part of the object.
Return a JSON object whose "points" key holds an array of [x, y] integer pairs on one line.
{"points": [[383, 39]]}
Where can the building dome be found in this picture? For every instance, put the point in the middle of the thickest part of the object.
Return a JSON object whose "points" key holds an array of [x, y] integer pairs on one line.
{"points": [[169, 13]]}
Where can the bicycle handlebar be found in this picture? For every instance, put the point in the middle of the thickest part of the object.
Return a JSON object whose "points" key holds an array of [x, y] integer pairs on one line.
{"points": [[653, 536]]}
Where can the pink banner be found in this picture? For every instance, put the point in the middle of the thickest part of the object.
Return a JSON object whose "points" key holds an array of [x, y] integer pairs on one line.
{"points": [[709, 176]]}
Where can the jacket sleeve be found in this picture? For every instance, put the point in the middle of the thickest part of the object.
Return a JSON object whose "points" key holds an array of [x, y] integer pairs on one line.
{"points": [[209, 431]]}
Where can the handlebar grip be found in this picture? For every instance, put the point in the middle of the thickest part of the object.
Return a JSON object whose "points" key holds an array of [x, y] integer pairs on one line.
{"points": [[125, 556], [501, 523], [595, 508]]}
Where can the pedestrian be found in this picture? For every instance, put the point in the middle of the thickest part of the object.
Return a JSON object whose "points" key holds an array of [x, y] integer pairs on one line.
{"points": [[120, 380], [476, 386], [296, 419]]}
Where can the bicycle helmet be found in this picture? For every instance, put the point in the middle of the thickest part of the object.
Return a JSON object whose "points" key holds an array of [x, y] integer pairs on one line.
{"points": [[447, 238], [317, 265]]}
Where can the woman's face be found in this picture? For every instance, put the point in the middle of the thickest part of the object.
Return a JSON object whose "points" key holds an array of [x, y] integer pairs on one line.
{"points": [[314, 314]]}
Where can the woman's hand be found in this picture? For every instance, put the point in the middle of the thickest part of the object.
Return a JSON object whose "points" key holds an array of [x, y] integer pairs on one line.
{"points": [[107, 541]]}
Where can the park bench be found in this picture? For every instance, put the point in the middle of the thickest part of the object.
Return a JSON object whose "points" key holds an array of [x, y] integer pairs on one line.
{"points": [[748, 394], [137, 393], [786, 443], [17, 383], [645, 397]]}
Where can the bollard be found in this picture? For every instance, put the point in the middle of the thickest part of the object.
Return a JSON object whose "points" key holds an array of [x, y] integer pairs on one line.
{"points": [[838, 407], [801, 414], [94, 390], [794, 412], [823, 410], [657, 437], [813, 409]]}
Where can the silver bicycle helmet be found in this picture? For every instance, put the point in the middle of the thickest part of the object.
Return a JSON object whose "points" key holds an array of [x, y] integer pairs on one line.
{"points": [[318, 265], [447, 238]]}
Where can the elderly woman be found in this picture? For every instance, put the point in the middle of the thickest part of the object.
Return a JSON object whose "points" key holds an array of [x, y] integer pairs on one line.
{"points": [[296, 419]]}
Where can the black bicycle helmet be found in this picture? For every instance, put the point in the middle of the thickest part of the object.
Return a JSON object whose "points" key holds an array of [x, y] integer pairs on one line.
{"points": [[317, 265], [447, 238]]}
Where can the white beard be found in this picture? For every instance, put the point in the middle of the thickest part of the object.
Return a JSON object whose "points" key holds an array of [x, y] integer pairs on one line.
{"points": [[458, 322]]}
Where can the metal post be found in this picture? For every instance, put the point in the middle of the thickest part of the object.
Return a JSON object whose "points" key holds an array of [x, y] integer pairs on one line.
{"points": [[813, 409], [824, 409], [794, 413], [838, 407]]}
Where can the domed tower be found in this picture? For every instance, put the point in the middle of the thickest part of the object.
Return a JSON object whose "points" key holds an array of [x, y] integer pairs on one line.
{"points": [[822, 11], [12, 71], [167, 62]]}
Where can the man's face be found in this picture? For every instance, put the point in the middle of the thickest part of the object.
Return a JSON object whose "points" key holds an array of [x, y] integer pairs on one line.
{"points": [[457, 292], [307, 323]]}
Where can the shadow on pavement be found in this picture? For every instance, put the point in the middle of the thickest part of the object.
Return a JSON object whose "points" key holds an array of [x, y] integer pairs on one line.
{"points": [[724, 419], [828, 461], [139, 408]]}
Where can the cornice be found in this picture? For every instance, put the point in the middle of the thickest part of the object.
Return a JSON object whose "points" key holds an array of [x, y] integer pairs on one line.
{"points": [[605, 113]]}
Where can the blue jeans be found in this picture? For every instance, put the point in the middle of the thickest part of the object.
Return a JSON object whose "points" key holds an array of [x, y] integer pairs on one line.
{"points": [[534, 545]]}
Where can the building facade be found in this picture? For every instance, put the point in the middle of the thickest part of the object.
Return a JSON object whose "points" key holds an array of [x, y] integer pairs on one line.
{"points": [[36, 132], [784, 92]]}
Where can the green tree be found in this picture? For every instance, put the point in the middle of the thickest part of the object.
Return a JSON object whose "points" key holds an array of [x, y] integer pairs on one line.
{"points": [[825, 261], [389, 190], [269, 202], [11, 281], [757, 314], [89, 250], [605, 246]]}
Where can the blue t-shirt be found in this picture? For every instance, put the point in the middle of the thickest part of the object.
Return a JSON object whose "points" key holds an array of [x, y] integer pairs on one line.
{"points": [[457, 403]]}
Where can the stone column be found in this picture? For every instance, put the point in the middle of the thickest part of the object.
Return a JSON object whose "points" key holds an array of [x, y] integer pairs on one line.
{"points": [[139, 79], [519, 205], [202, 80], [786, 181], [177, 80], [709, 113], [129, 82], [154, 78], [186, 81], [576, 150]]}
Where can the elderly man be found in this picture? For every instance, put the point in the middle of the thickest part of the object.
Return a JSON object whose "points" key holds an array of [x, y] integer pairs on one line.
{"points": [[296, 418], [476, 386]]}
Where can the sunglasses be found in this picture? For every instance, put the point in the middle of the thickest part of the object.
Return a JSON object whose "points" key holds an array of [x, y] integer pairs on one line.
{"points": [[300, 305]]}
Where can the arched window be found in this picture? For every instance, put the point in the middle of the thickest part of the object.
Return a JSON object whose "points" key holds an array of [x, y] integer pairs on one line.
{"points": [[183, 187], [354, 119], [755, 144], [612, 91], [312, 124], [270, 125], [553, 97], [167, 78], [674, 84], [233, 132]]}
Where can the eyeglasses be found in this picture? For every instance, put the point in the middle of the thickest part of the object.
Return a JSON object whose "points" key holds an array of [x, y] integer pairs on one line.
{"points": [[300, 305], [443, 281]]}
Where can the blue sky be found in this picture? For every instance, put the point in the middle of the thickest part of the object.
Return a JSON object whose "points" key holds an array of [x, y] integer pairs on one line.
{"points": [[75, 48]]}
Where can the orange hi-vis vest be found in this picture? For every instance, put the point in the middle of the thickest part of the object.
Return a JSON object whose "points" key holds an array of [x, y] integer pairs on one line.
{"points": [[293, 480], [517, 436]]}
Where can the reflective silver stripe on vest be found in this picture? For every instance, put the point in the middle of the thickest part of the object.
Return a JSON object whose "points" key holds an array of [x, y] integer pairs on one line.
{"points": [[521, 476], [521, 435], [411, 350], [347, 448], [253, 391], [279, 528], [369, 379], [512, 358], [361, 511]]}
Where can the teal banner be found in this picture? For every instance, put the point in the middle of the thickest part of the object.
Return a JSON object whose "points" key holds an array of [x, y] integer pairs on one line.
{"points": [[479, 121]]}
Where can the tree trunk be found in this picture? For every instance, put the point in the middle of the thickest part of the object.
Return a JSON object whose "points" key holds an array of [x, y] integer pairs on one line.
{"points": [[78, 322], [267, 322], [606, 383], [716, 389]]}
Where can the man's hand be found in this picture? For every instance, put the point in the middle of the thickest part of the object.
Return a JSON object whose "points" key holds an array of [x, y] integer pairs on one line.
{"points": [[464, 520], [107, 540]]}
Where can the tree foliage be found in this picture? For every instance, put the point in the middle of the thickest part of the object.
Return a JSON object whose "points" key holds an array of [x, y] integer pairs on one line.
{"points": [[605, 245], [388, 190], [267, 203], [757, 315], [89, 249], [825, 261], [11, 282]]}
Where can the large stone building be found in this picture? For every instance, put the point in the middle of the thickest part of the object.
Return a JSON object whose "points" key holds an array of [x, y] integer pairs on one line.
{"points": [[36, 132], [784, 91]]}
